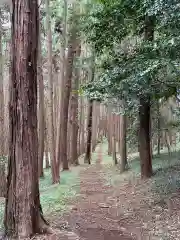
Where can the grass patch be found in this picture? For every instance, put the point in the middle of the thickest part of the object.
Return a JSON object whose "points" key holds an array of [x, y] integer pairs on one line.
{"points": [[166, 179], [54, 197], [166, 168]]}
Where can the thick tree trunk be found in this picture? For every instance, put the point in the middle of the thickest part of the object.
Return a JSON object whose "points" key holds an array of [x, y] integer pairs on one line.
{"points": [[144, 138], [2, 125], [55, 176], [1, 97], [62, 85], [41, 122], [87, 158], [144, 114], [22, 209]]}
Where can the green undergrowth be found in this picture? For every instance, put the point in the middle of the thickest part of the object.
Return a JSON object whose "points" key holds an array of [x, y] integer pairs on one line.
{"points": [[54, 197], [166, 172]]}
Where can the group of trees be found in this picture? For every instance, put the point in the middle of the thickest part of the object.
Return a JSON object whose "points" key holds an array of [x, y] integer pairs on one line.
{"points": [[79, 72], [48, 116], [137, 54]]}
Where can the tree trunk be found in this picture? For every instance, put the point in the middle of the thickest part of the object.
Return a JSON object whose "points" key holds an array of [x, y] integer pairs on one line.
{"points": [[87, 158], [55, 177], [82, 126], [66, 98], [144, 114], [119, 134], [46, 149], [23, 216], [95, 125], [167, 142], [144, 138], [41, 123], [123, 147], [114, 139], [158, 131], [2, 125], [74, 113], [62, 85], [109, 127], [3, 178], [1, 97]]}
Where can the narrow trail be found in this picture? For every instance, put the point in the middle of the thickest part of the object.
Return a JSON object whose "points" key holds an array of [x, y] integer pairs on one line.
{"points": [[90, 217], [120, 212]]}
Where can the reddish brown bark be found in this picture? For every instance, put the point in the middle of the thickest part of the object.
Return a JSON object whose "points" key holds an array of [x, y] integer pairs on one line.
{"points": [[74, 113], [46, 149], [123, 147], [113, 117], [54, 169], [122, 138], [109, 127], [158, 129], [144, 115], [66, 98], [82, 127], [87, 158], [95, 126], [144, 138], [2, 139], [23, 210], [41, 123], [61, 86], [2, 125]]}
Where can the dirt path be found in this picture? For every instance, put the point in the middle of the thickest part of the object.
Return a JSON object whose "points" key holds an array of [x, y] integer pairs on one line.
{"points": [[90, 217], [123, 212]]}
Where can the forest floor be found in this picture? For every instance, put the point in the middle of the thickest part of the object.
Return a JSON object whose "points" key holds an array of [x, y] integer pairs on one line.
{"points": [[113, 206], [96, 202]]}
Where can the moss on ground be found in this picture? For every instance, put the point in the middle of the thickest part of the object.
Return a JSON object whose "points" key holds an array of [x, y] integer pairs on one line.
{"points": [[166, 168], [54, 197]]}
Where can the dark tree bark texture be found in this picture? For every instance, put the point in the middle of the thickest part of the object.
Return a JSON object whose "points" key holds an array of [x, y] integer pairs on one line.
{"points": [[144, 115], [87, 158], [23, 211], [65, 107], [144, 138]]}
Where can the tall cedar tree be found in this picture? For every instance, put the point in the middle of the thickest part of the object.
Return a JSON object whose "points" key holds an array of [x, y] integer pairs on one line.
{"points": [[55, 176], [74, 110], [144, 115], [41, 127], [66, 96], [23, 216], [87, 158]]}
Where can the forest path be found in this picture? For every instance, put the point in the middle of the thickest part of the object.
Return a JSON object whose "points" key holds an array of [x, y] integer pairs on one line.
{"points": [[122, 211], [92, 216]]}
